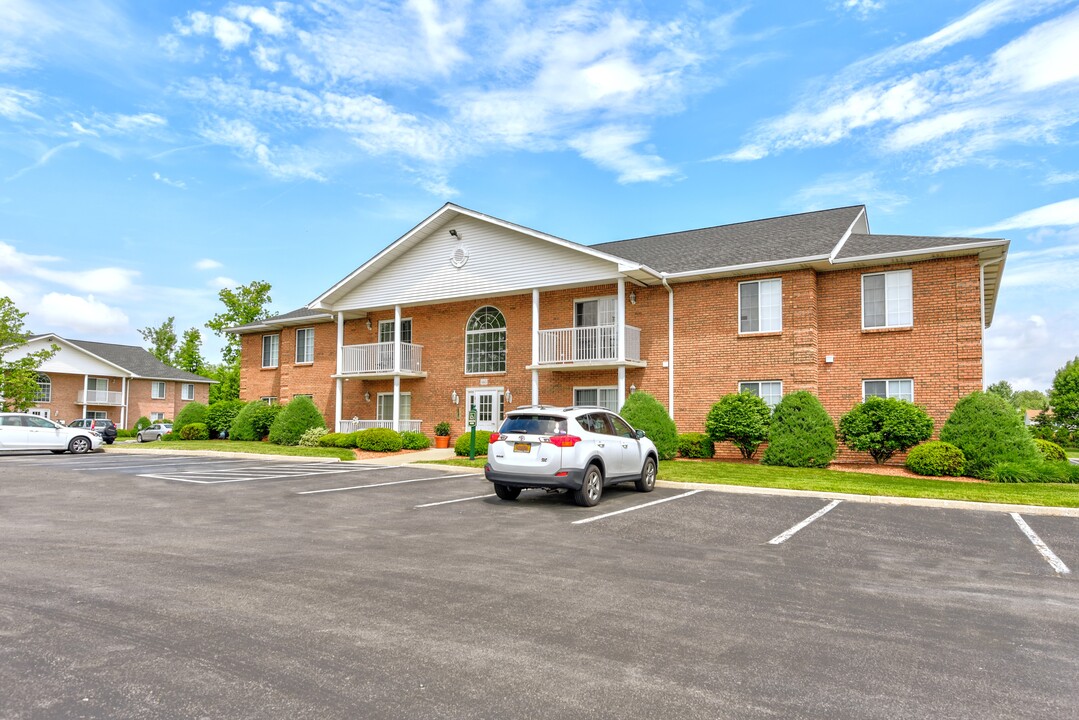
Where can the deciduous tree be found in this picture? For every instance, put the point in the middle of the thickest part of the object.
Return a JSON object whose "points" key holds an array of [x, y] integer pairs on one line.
{"points": [[162, 340], [18, 370]]}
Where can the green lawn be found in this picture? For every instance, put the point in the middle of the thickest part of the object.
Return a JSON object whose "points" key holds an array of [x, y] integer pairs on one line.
{"points": [[1072, 453], [257, 448]]}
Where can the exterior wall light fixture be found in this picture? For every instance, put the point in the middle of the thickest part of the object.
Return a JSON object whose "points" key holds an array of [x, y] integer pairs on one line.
{"points": [[367, 397], [632, 297], [455, 397], [509, 396], [632, 389]]}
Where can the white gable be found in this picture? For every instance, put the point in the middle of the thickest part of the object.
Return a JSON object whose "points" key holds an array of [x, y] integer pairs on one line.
{"points": [[70, 359], [501, 261]]}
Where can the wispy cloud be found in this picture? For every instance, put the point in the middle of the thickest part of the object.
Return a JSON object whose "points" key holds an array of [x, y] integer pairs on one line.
{"points": [[15, 103], [180, 184], [846, 188], [1063, 213], [207, 264], [44, 159]]}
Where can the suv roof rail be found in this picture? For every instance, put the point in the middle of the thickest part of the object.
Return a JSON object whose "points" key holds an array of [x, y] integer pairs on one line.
{"points": [[534, 407]]}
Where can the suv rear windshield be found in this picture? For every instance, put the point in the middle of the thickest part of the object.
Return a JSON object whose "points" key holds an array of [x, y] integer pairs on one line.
{"points": [[534, 425]]}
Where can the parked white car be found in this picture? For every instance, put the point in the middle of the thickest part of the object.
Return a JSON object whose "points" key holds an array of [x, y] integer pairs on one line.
{"points": [[22, 431]]}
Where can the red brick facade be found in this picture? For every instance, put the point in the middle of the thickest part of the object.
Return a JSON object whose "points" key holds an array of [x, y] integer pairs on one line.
{"points": [[64, 405]]}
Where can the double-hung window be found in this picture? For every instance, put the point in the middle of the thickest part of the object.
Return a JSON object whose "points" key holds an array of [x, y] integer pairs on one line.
{"points": [[760, 306], [770, 391], [187, 391], [157, 416], [305, 345], [157, 390], [385, 406], [901, 389], [269, 350], [604, 397], [887, 300]]}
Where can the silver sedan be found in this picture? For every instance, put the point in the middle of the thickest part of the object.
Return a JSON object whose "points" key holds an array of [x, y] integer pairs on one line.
{"points": [[154, 432]]}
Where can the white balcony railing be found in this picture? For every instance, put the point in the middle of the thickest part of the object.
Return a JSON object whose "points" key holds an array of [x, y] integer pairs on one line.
{"points": [[377, 359], [585, 345], [354, 425], [100, 397]]}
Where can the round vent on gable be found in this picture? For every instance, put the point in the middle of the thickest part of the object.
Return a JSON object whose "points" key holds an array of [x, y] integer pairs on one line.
{"points": [[459, 257]]}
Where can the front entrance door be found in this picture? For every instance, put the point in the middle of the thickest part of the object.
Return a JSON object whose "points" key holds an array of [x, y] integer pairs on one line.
{"points": [[490, 407], [40, 412]]}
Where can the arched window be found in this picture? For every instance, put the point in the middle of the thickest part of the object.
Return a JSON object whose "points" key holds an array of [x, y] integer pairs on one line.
{"points": [[485, 341], [44, 389]]}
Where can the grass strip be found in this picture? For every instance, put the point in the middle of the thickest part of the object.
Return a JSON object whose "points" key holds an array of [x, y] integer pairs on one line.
{"points": [[252, 448], [479, 462]]}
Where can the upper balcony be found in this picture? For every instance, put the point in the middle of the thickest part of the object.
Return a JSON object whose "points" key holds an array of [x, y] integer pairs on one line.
{"points": [[375, 360], [100, 397], [588, 348]]}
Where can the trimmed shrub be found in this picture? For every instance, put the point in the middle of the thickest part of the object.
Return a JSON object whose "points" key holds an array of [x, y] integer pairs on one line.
{"points": [[802, 433], [194, 431], [988, 431], [379, 440], [936, 458], [296, 418], [221, 414], [1050, 450], [127, 433], [193, 412], [482, 439], [349, 440], [253, 421], [311, 437], [412, 440], [644, 412], [169, 437], [740, 418], [1033, 471], [696, 446], [142, 423], [884, 426], [330, 439]]}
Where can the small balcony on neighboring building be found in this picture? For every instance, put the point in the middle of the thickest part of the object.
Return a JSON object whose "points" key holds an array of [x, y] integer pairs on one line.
{"points": [[376, 360], [100, 397], [594, 347]]}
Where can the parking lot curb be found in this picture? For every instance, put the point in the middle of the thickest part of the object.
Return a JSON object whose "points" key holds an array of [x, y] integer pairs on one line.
{"points": [[877, 499], [216, 453]]}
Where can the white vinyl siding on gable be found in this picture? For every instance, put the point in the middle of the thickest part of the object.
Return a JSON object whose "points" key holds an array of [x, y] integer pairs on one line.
{"points": [[760, 306], [269, 350], [157, 390], [887, 300], [901, 389]]}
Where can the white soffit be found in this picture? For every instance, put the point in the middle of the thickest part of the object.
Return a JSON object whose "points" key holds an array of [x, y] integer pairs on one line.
{"points": [[71, 359]]}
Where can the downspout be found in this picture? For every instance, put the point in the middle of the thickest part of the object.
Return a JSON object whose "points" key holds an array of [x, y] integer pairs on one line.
{"points": [[670, 347], [981, 289]]}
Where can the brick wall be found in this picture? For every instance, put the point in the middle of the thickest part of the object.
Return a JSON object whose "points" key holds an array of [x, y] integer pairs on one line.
{"points": [[66, 388]]}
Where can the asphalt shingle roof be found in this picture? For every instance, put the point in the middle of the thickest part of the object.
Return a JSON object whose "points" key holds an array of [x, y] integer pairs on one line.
{"points": [[137, 360], [859, 245], [297, 314], [812, 234]]}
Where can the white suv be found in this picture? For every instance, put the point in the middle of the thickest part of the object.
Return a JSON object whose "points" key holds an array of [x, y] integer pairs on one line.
{"points": [[582, 449]]}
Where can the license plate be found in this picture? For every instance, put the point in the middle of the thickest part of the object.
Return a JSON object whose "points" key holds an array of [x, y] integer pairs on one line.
{"points": [[522, 447]]}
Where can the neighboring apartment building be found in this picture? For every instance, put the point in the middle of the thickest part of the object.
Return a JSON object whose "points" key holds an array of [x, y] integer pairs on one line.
{"points": [[103, 380], [466, 308]]}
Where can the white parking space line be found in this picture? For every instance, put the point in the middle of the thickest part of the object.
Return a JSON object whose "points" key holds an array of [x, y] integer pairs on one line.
{"points": [[201, 482], [448, 502], [246, 473], [1050, 557], [121, 466], [635, 507], [394, 482], [783, 537]]}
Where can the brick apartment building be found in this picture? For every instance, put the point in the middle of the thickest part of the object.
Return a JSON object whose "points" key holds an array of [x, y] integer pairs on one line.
{"points": [[104, 380], [466, 308]]}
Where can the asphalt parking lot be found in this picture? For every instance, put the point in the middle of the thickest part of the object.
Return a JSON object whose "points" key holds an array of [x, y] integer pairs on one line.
{"points": [[146, 586]]}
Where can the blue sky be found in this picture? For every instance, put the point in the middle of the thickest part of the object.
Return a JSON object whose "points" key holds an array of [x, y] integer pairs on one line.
{"points": [[152, 153]]}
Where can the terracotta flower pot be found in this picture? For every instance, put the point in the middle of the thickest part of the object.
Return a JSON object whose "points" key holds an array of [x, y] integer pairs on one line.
{"points": [[442, 441]]}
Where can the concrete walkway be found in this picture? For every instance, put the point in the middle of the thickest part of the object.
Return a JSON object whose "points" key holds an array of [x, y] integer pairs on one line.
{"points": [[412, 457]]}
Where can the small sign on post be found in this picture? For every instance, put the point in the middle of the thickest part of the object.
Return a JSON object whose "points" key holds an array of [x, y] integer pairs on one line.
{"points": [[472, 427]]}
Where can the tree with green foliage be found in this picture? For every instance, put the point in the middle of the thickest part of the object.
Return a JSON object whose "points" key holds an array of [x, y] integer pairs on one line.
{"points": [[162, 340], [193, 412], [884, 426], [221, 414], [227, 386], [1003, 389], [296, 418], [801, 434], [19, 374], [1030, 400], [243, 305], [1064, 396], [989, 432], [189, 355], [740, 418], [644, 412]]}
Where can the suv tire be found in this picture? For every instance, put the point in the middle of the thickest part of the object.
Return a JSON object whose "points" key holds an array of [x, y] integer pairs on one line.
{"points": [[591, 487], [79, 445], [647, 483], [505, 492]]}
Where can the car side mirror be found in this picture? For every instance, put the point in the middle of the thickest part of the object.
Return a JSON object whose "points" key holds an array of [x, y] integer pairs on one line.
{"points": [[641, 434]]}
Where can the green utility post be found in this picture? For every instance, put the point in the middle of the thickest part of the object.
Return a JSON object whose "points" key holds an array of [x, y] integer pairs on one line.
{"points": [[472, 427]]}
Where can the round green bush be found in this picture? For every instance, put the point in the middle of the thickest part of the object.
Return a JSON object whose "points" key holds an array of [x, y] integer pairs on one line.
{"points": [[802, 433], [193, 412], [696, 446], [194, 431], [253, 421], [988, 431], [936, 458], [330, 439], [740, 418], [142, 423], [1050, 450], [296, 418], [412, 440], [483, 438], [220, 415], [884, 426], [379, 440], [348, 440], [644, 412], [311, 437]]}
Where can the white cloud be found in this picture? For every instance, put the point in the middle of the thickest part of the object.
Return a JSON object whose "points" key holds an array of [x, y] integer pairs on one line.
{"points": [[1060, 178], [261, 18], [1027, 350], [43, 160], [861, 8], [231, 34], [107, 280], [14, 103], [613, 148], [171, 183], [58, 311], [841, 189], [1063, 213], [249, 143], [221, 282], [207, 264]]}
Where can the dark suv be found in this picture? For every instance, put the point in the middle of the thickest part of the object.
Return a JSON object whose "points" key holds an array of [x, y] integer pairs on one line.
{"points": [[104, 427]]}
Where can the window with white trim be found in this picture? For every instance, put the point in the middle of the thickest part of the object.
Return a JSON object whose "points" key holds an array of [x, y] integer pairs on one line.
{"points": [[305, 345], [157, 417], [269, 399], [900, 389], [187, 391], [157, 390], [385, 406], [96, 384], [771, 391], [887, 299], [485, 342], [44, 389], [269, 350], [385, 330], [760, 306], [604, 397], [97, 415]]}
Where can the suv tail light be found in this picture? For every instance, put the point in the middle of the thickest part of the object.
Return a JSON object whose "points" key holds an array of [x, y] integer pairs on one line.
{"points": [[494, 437], [564, 441]]}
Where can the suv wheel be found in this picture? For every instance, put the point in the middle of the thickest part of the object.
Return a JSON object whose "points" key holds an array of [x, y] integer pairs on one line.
{"points": [[591, 487], [647, 483], [505, 492], [79, 445]]}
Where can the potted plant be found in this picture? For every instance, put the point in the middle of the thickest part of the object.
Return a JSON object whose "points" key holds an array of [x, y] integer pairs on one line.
{"points": [[442, 435]]}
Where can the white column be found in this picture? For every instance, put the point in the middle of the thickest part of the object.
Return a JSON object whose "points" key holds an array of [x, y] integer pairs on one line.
{"points": [[621, 386], [535, 344], [123, 403], [85, 393], [620, 323], [397, 368], [339, 389], [337, 405]]}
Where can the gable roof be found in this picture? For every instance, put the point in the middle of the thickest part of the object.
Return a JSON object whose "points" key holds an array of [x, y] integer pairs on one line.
{"points": [[132, 358], [299, 316]]}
